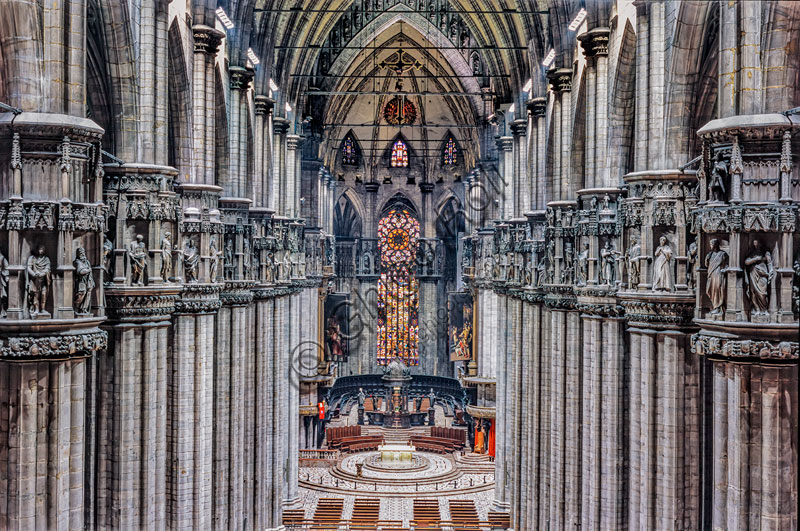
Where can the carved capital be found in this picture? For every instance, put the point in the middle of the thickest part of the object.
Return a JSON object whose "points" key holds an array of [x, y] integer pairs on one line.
{"points": [[595, 42], [206, 39], [560, 79]]}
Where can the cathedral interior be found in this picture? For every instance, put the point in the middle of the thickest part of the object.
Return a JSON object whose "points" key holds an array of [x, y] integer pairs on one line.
{"points": [[399, 264]]}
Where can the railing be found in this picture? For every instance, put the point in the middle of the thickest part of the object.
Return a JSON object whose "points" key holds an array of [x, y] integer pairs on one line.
{"points": [[388, 525], [328, 455], [345, 258]]}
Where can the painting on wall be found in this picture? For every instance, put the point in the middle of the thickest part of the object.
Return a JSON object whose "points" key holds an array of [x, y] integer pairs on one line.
{"points": [[459, 326], [337, 319]]}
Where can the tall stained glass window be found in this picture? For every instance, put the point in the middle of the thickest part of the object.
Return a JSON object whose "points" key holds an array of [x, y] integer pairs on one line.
{"points": [[450, 152], [398, 293], [349, 154], [399, 155]]}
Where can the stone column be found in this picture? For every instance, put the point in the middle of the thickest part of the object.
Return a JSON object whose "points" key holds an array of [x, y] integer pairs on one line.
{"points": [[238, 181], [206, 44], [292, 175], [595, 48], [561, 84], [263, 151], [521, 197], [277, 195], [505, 186]]}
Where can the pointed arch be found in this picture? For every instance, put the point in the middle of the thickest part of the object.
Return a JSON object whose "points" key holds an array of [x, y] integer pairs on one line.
{"points": [[450, 218], [621, 107], [398, 153], [350, 150], [447, 157], [347, 217], [399, 200], [179, 138]]}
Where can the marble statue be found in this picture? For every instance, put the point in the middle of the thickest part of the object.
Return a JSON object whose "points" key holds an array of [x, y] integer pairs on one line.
{"points": [[270, 268], [431, 398], [214, 257], [37, 281], [719, 172], [137, 257], [361, 397], [166, 256], [191, 261], [228, 260], [541, 272], [759, 276], [366, 262], [108, 251], [3, 285], [632, 259], [84, 283], [582, 270], [608, 262], [716, 280], [662, 266], [691, 265], [569, 264], [246, 259]]}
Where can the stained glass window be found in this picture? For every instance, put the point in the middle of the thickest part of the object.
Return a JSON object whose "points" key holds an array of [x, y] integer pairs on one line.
{"points": [[349, 154], [399, 155], [450, 152], [398, 298]]}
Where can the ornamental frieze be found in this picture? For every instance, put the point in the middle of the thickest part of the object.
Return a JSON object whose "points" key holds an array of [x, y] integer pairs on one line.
{"points": [[655, 312], [49, 216], [706, 345], [60, 346], [600, 309], [133, 306], [237, 293], [746, 219]]}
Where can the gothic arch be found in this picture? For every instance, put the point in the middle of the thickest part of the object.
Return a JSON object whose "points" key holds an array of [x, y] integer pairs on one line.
{"points": [[402, 200], [180, 107], [348, 220], [621, 107]]}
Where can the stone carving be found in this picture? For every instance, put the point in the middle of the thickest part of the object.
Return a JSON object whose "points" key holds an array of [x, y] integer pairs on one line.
{"points": [[108, 251], [166, 256], [796, 285], [137, 258], [541, 271], [3, 285], [229, 259], [270, 267], [582, 269], [246, 259], [632, 259], [191, 261], [429, 259], [716, 283], [366, 262], [691, 265], [84, 283], [215, 256], [569, 264], [719, 173], [662, 266], [608, 261], [62, 346], [759, 276], [361, 397], [37, 282]]}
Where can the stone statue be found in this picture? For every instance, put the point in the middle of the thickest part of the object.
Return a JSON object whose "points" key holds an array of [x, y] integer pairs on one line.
{"points": [[191, 261], [366, 262], [582, 270], [429, 260], [431, 398], [691, 265], [108, 251], [716, 283], [84, 283], [796, 284], [719, 173], [287, 266], [541, 271], [37, 281], [662, 266], [228, 259], [760, 273], [608, 259], [246, 258], [270, 268], [166, 256], [569, 264], [137, 257], [3, 285], [632, 258], [361, 397], [215, 255]]}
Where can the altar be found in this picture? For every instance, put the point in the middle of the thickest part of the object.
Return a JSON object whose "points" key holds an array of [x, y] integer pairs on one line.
{"points": [[396, 452]]}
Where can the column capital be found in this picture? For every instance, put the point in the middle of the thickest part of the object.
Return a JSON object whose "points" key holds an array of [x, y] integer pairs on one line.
{"points": [[206, 39], [505, 143], [426, 188], [560, 79], [537, 106], [519, 127], [280, 125], [240, 77], [263, 104], [595, 42], [293, 141]]}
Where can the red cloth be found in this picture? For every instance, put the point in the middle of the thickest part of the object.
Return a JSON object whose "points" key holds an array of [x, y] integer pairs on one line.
{"points": [[491, 439]]}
